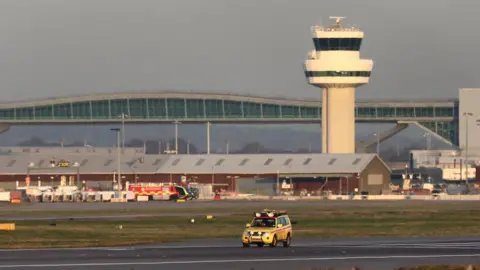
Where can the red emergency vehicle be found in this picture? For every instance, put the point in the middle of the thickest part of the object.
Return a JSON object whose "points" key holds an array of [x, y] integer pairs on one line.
{"points": [[163, 191]]}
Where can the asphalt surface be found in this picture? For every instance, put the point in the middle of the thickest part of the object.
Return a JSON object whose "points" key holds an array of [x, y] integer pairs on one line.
{"points": [[207, 204], [372, 254]]}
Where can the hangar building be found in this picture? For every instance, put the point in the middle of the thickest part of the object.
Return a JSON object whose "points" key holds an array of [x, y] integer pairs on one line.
{"points": [[245, 173]]}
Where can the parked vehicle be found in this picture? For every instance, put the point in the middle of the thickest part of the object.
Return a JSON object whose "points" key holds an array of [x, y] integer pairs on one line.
{"points": [[194, 192]]}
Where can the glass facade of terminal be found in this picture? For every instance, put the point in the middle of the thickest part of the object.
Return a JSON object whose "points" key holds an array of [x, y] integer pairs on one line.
{"points": [[202, 109], [219, 109]]}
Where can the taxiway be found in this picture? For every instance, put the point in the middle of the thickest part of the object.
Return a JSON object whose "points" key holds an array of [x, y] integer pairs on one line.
{"points": [[372, 254]]}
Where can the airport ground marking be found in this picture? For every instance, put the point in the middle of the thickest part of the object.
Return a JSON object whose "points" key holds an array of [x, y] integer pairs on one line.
{"points": [[281, 259]]}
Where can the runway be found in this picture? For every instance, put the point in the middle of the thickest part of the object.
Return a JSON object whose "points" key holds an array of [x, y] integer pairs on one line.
{"points": [[372, 254]]}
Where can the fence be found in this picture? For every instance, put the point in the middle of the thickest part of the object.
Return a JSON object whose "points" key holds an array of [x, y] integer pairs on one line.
{"points": [[113, 196]]}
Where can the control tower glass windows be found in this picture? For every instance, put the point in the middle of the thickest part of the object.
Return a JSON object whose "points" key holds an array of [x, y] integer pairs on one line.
{"points": [[337, 44], [337, 73]]}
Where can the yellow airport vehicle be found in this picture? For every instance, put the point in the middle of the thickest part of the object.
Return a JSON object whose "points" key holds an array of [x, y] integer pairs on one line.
{"points": [[268, 227]]}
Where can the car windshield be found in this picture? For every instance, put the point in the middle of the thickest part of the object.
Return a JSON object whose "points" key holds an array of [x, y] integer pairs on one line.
{"points": [[263, 222]]}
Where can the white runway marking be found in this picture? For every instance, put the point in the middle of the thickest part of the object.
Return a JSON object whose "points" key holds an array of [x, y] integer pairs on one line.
{"points": [[363, 245], [281, 259], [401, 247], [346, 245], [116, 249]]}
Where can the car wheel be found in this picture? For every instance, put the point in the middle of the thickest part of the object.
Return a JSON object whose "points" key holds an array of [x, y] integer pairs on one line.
{"points": [[274, 241], [287, 241], [246, 245], [260, 245]]}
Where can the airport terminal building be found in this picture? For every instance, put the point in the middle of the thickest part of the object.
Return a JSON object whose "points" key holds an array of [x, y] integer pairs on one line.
{"points": [[455, 161]]}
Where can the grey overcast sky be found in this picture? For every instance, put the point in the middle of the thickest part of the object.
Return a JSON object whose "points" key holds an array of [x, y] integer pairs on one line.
{"points": [[421, 48]]}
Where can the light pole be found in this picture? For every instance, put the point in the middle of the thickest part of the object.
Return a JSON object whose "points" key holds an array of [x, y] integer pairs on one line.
{"points": [[176, 136], [428, 141], [378, 142], [123, 116], [466, 114], [118, 158], [208, 137], [188, 147], [134, 172], [213, 178]]}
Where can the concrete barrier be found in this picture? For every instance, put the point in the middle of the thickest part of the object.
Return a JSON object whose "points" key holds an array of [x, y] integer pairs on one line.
{"points": [[142, 198], [107, 196], [4, 196], [114, 196], [118, 200], [390, 197]]}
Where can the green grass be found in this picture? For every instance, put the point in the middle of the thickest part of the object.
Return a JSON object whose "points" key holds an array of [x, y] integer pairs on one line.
{"points": [[319, 221], [197, 208]]}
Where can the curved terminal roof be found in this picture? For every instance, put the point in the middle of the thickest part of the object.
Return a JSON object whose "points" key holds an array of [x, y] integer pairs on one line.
{"points": [[229, 97]]}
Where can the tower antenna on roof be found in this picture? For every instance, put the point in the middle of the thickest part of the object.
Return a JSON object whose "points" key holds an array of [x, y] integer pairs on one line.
{"points": [[337, 19]]}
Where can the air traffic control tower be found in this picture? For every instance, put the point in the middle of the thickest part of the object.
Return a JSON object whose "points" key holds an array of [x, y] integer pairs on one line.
{"points": [[335, 67]]}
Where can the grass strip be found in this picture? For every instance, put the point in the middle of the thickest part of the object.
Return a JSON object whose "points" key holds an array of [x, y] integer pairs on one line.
{"points": [[226, 208], [323, 222]]}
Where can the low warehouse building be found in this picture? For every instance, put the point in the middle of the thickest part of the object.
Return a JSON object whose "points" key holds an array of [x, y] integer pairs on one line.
{"points": [[265, 173], [96, 166], [245, 173]]}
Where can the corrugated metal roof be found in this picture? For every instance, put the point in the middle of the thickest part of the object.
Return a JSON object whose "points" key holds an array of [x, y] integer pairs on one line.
{"points": [[82, 150], [18, 164], [189, 164], [267, 163], [147, 163]]}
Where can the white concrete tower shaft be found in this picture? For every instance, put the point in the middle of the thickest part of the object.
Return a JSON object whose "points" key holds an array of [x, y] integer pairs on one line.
{"points": [[335, 67]]}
